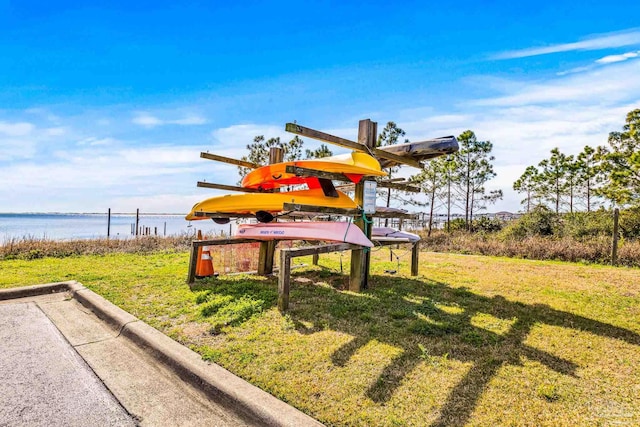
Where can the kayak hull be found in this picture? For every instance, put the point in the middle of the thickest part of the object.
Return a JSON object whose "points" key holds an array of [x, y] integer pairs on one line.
{"points": [[250, 203], [389, 232], [354, 165], [422, 150], [346, 232]]}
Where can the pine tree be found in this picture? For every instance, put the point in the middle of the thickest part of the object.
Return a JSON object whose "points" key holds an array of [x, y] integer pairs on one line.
{"points": [[473, 170], [621, 163]]}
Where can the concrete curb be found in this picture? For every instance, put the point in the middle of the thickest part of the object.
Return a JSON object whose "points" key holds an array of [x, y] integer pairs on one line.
{"points": [[113, 315], [32, 291], [215, 381]]}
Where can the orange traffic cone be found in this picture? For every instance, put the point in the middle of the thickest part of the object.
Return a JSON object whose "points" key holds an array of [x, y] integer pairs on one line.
{"points": [[204, 265]]}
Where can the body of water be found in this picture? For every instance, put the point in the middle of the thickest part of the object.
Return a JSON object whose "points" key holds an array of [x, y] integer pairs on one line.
{"points": [[61, 226]]}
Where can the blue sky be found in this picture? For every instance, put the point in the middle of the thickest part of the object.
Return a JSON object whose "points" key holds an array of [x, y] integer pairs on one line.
{"points": [[109, 106]]}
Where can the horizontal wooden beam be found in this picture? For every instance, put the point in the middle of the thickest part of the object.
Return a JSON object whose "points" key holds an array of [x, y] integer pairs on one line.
{"points": [[219, 242], [320, 209], [229, 160], [399, 186], [325, 137], [231, 187], [393, 215], [336, 140], [319, 249], [380, 152], [385, 184], [388, 241], [306, 172], [346, 187]]}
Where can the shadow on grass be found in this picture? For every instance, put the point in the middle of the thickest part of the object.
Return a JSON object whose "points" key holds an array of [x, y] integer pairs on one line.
{"points": [[401, 312], [232, 302]]}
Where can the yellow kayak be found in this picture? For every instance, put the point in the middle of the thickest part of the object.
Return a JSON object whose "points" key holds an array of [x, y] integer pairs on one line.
{"points": [[354, 165], [250, 203]]}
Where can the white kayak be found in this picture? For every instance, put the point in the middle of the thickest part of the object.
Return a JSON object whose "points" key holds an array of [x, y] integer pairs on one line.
{"points": [[392, 233]]}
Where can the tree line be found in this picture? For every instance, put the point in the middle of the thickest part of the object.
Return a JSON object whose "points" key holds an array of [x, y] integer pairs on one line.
{"points": [[589, 179], [458, 182]]}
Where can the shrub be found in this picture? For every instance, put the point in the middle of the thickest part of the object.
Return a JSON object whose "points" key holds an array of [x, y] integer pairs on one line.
{"points": [[539, 222], [630, 222], [580, 225], [457, 224], [487, 225], [32, 248], [591, 249]]}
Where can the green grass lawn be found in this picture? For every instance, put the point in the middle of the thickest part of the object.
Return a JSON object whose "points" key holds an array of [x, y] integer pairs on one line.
{"points": [[472, 341]]}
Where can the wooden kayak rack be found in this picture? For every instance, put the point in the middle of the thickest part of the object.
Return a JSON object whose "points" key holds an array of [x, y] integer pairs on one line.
{"points": [[360, 258], [287, 254]]}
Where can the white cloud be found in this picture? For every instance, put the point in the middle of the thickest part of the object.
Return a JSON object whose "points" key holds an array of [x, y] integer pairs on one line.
{"points": [[239, 136], [95, 141], [189, 120], [525, 120], [161, 155], [89, 170], [43, 113], [56, 131], [576, 70], [604, 61], [147, 120], [162, 203], [16, 129], [12, 148], [596, 42], [17, 140], [613, 84], [618, 58]]}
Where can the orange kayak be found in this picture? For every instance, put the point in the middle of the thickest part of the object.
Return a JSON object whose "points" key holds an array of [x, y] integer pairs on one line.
{"points": [[353, 165]]}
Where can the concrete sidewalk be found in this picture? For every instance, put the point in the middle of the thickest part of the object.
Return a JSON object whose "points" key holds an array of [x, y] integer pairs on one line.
{"points": [[73, 358], [43, 381]]}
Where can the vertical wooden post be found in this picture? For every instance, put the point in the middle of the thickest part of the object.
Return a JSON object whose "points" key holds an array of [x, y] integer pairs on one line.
{"points": [[316, 258], [108, 223], [268, 248], [137, 220], [284, 280], [193, 259], [415, 258], [614, 246], [359, 277]]}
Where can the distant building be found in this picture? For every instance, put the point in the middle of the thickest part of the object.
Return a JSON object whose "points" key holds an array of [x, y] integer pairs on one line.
{"points": [[506, 216]]}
